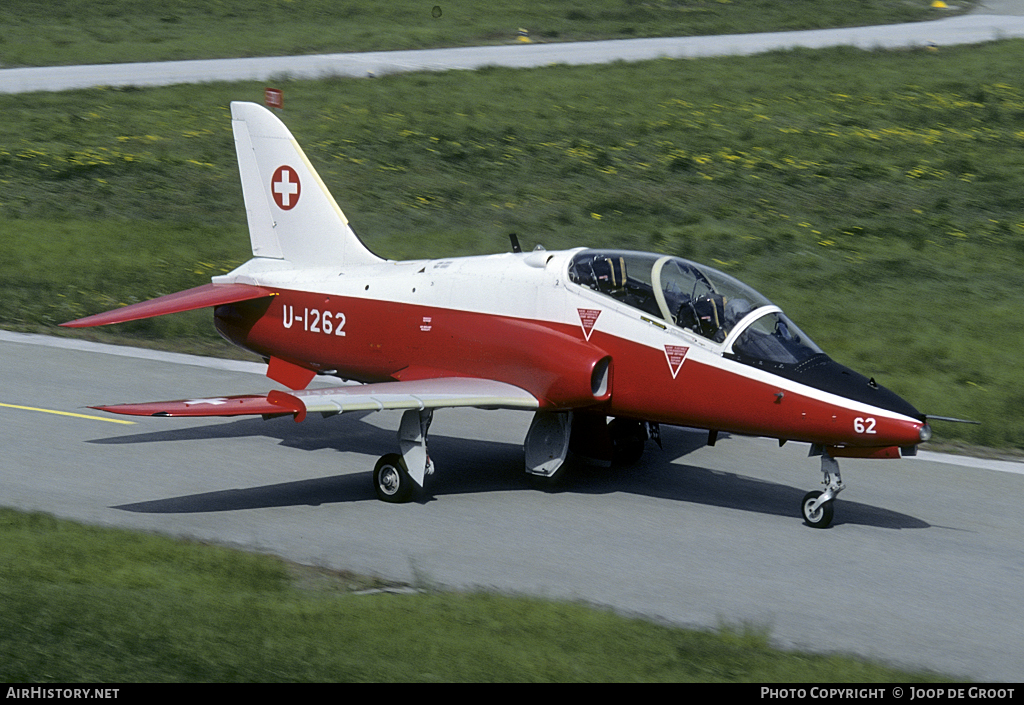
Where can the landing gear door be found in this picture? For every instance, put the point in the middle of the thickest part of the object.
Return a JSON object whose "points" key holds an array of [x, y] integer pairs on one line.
{"points": [[547, 442]]}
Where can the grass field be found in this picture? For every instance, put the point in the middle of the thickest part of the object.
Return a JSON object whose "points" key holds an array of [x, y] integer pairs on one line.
{"points": [[88, 605], [34, 33], [876, 196]]}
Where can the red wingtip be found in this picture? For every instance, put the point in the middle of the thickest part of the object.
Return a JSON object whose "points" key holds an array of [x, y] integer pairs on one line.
{"points": [[288, 401]]}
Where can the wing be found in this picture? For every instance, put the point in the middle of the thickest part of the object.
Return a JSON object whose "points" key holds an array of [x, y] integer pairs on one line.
{"points": [[437, 393]]}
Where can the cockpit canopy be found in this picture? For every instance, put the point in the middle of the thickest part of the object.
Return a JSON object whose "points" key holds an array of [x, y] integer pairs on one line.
{"points": [[696, 298]]}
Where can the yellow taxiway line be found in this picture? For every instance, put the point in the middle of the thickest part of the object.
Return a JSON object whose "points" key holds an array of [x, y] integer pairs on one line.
{"points": [[65, 413]]}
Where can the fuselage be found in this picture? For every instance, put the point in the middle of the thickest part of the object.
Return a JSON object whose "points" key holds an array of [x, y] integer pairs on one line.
{"points": [[534, 321]]}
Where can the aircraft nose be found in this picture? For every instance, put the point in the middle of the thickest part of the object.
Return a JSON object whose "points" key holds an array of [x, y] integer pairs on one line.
{"points": [[826, 374], [889, 400]]}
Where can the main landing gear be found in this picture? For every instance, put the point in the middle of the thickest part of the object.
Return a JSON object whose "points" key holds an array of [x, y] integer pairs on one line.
{"points": [[396, 476], [817, 506], [391, 479], [558, 440]]}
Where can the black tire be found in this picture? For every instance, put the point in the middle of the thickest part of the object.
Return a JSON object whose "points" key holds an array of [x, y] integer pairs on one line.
{"points": [[820, 519], [628, 440], [391, 479]]}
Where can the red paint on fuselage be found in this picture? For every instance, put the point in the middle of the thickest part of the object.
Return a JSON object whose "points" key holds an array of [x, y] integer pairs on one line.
{"points": [[372, 341], [721, 397], [385, 341]]}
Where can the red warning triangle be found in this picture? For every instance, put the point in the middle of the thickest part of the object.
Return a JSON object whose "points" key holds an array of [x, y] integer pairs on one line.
{"points": [[675, 354], [588, 317]]}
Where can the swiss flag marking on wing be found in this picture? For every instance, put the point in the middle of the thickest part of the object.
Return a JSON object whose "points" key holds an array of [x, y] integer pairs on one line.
{"points": [[675, 354], [588, 317], [285, 188]]}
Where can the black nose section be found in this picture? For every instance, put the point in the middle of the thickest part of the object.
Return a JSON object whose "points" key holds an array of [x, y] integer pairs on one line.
{"points": [[824, 373]]}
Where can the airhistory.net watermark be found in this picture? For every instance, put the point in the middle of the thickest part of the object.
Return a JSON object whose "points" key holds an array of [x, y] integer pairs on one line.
{"points": [[41, 693]]}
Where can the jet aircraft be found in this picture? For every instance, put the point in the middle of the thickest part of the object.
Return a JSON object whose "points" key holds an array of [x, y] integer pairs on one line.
{"points": [[578, 337]]}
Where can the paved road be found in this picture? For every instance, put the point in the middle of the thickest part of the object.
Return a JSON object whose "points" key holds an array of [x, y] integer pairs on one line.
{"points": [[965, 29], [1000, 7], [922, 567]]}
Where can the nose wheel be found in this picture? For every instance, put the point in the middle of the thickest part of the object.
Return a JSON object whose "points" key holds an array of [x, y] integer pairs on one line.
{"points": [[817, 506], [817, 514]]}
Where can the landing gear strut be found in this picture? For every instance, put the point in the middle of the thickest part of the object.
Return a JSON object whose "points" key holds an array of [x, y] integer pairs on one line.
{"points": [[817, 506]]}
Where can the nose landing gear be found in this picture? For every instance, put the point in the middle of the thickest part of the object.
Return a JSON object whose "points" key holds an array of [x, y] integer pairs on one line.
{"points": [[817, 506]]}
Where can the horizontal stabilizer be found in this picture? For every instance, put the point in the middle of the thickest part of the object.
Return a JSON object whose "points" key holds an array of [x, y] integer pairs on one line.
{"points": [[188, 300], [439, 393]]}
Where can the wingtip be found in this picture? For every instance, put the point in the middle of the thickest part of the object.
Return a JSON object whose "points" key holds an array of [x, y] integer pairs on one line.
{"points": [[77, 323], [288, 402]]}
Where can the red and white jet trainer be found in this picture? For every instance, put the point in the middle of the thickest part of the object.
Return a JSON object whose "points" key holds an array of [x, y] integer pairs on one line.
{"points": [[576, 336]]}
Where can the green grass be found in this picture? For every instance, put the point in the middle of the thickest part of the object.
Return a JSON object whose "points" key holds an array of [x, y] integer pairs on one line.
{"points": [[60, 32], [876, 196], [56, 271], [87, 604]]}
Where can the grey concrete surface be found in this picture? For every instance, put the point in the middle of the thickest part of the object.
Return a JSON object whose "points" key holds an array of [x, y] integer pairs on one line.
{"points": [[964, 29], [922, 567], [1000, 7]]}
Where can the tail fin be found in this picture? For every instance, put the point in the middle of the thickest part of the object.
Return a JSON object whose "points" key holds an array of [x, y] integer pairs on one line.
{"points": [[292, 216]]}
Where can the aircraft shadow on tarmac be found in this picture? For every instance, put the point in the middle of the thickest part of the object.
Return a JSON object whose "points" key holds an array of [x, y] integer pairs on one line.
{"points": [[473, 466]]}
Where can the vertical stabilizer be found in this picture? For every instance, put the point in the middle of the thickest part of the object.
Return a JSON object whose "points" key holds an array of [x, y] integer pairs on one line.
{"points": [[292, 216]]}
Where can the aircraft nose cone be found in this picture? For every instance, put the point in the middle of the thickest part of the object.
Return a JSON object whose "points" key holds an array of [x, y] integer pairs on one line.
{"points": [[824, 373]]}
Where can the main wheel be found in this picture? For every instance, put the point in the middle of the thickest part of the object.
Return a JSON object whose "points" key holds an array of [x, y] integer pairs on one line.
{"points": [[822, 517], [628, 440], [391, 479]]}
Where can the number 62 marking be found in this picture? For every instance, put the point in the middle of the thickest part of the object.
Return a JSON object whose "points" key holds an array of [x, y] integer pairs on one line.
{"points": [[866, 425]]}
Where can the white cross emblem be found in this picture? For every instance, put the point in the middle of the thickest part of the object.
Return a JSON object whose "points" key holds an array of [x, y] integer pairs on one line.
{"points": [[284, 185]]}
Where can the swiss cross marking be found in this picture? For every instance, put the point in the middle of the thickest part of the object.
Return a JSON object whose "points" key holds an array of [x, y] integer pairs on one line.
{"points": [[588, 317], [285, 188], [675, 354]]}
